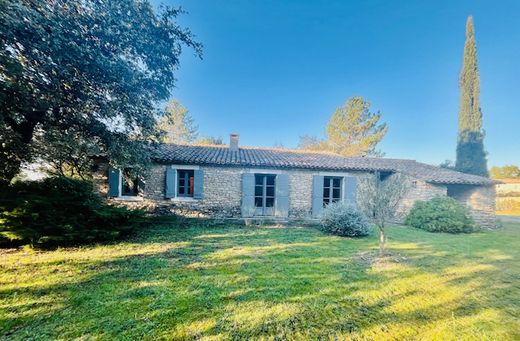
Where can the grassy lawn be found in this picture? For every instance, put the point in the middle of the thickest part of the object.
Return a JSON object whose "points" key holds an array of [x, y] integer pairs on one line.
{"points": [[266, 283]]}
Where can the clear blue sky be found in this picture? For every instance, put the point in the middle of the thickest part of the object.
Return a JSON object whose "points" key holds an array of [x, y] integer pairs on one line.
{"points": [[275, 70]]}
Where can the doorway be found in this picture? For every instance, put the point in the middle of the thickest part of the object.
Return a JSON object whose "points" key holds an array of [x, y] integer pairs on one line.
{"points": [[264, 194]]}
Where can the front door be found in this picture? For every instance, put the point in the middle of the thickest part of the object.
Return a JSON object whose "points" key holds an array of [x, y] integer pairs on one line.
{"points": [[264, 194]]}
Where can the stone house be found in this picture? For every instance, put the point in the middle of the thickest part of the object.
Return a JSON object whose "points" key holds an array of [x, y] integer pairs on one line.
{"points": [[236, 182], [508, 187]]}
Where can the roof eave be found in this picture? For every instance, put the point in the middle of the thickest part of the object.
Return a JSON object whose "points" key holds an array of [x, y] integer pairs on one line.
{"points": [[468, 183]]}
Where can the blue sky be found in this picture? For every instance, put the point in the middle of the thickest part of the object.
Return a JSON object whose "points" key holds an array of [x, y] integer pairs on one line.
{"points": [[275, 70]]}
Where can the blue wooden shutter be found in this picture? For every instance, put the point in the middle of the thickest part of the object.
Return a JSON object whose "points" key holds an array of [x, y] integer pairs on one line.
{"points": [[350, 195], [198, 179], [113, 182], [317, 195], [248, 195], [282, 196], [171, 183]]}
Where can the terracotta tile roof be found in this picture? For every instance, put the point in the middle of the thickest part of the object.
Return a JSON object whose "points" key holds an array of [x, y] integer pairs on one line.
{"points": [[296, 159]]}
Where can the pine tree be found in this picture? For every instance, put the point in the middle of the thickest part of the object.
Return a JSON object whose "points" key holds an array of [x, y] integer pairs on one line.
{"points": [[177, 124], [353, 130], [210, 140], [471, 156]]}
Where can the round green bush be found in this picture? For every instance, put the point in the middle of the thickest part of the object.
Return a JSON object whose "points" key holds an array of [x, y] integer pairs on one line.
{"points": [[344, 220], [440, 214]]}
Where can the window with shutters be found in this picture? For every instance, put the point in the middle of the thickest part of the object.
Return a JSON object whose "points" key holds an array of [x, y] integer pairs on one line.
{"points": [[331, 189], [129, 183], [185, 182]]}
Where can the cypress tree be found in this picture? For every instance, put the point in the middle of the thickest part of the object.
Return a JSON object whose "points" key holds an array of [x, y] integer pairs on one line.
{"points": [[471, 156]]}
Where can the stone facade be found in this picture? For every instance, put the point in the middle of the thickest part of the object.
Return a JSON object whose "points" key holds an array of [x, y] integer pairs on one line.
{"points": [[480, 200], [222, 194], [419, 191], [300, 196]]}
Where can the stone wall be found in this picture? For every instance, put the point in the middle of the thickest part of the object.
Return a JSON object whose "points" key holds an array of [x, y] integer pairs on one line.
{"points": [[223, 194], [418, 191], [155, 183], [480, 200], [300, 194]]}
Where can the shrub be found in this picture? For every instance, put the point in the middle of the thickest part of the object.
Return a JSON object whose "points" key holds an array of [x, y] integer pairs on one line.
{"points": [[441, 214], [60, 211], [344, 220]]}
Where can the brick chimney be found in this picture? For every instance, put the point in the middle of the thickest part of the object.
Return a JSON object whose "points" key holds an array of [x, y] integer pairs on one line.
{"points": [[233, 142]]}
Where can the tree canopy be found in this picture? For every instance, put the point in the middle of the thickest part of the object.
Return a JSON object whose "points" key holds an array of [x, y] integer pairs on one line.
{"points": [[177, 124], [505, 172], [210, 140], [85, 73], [471, 156], [351, 131]]}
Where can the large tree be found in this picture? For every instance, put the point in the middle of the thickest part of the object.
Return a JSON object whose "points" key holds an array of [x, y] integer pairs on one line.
{"points": [[351, 131], [312, 143], [471, 156], [89, 71], [210, 140], [177, 124]]}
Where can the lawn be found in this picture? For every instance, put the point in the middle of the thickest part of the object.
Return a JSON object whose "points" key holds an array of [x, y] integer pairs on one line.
{"points": [[217, 283]]}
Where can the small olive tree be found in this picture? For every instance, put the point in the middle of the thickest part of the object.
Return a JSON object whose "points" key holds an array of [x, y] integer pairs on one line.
{"points": [[379, 198]]}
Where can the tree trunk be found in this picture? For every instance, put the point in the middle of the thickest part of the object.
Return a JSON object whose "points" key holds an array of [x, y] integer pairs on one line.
{"points": [[10, 163], [16, 139], [381, 241]]}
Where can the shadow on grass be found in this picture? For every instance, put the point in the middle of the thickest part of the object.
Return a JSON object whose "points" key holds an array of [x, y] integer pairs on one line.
{"points": [[242, 283]]}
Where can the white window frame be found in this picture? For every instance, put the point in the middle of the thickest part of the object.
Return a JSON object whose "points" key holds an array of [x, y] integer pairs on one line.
{"points": [[341, 175], [177, 168], [342, 187], [121, 197]]}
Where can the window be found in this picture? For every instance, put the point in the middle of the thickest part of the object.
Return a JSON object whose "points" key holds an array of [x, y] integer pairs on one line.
{"points": [[331, 189], [185, 182], [384, 175], [129, 183], [264, 193]]}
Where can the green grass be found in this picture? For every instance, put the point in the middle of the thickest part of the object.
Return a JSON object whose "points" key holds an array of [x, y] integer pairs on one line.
{"points": [[266, 283]]}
